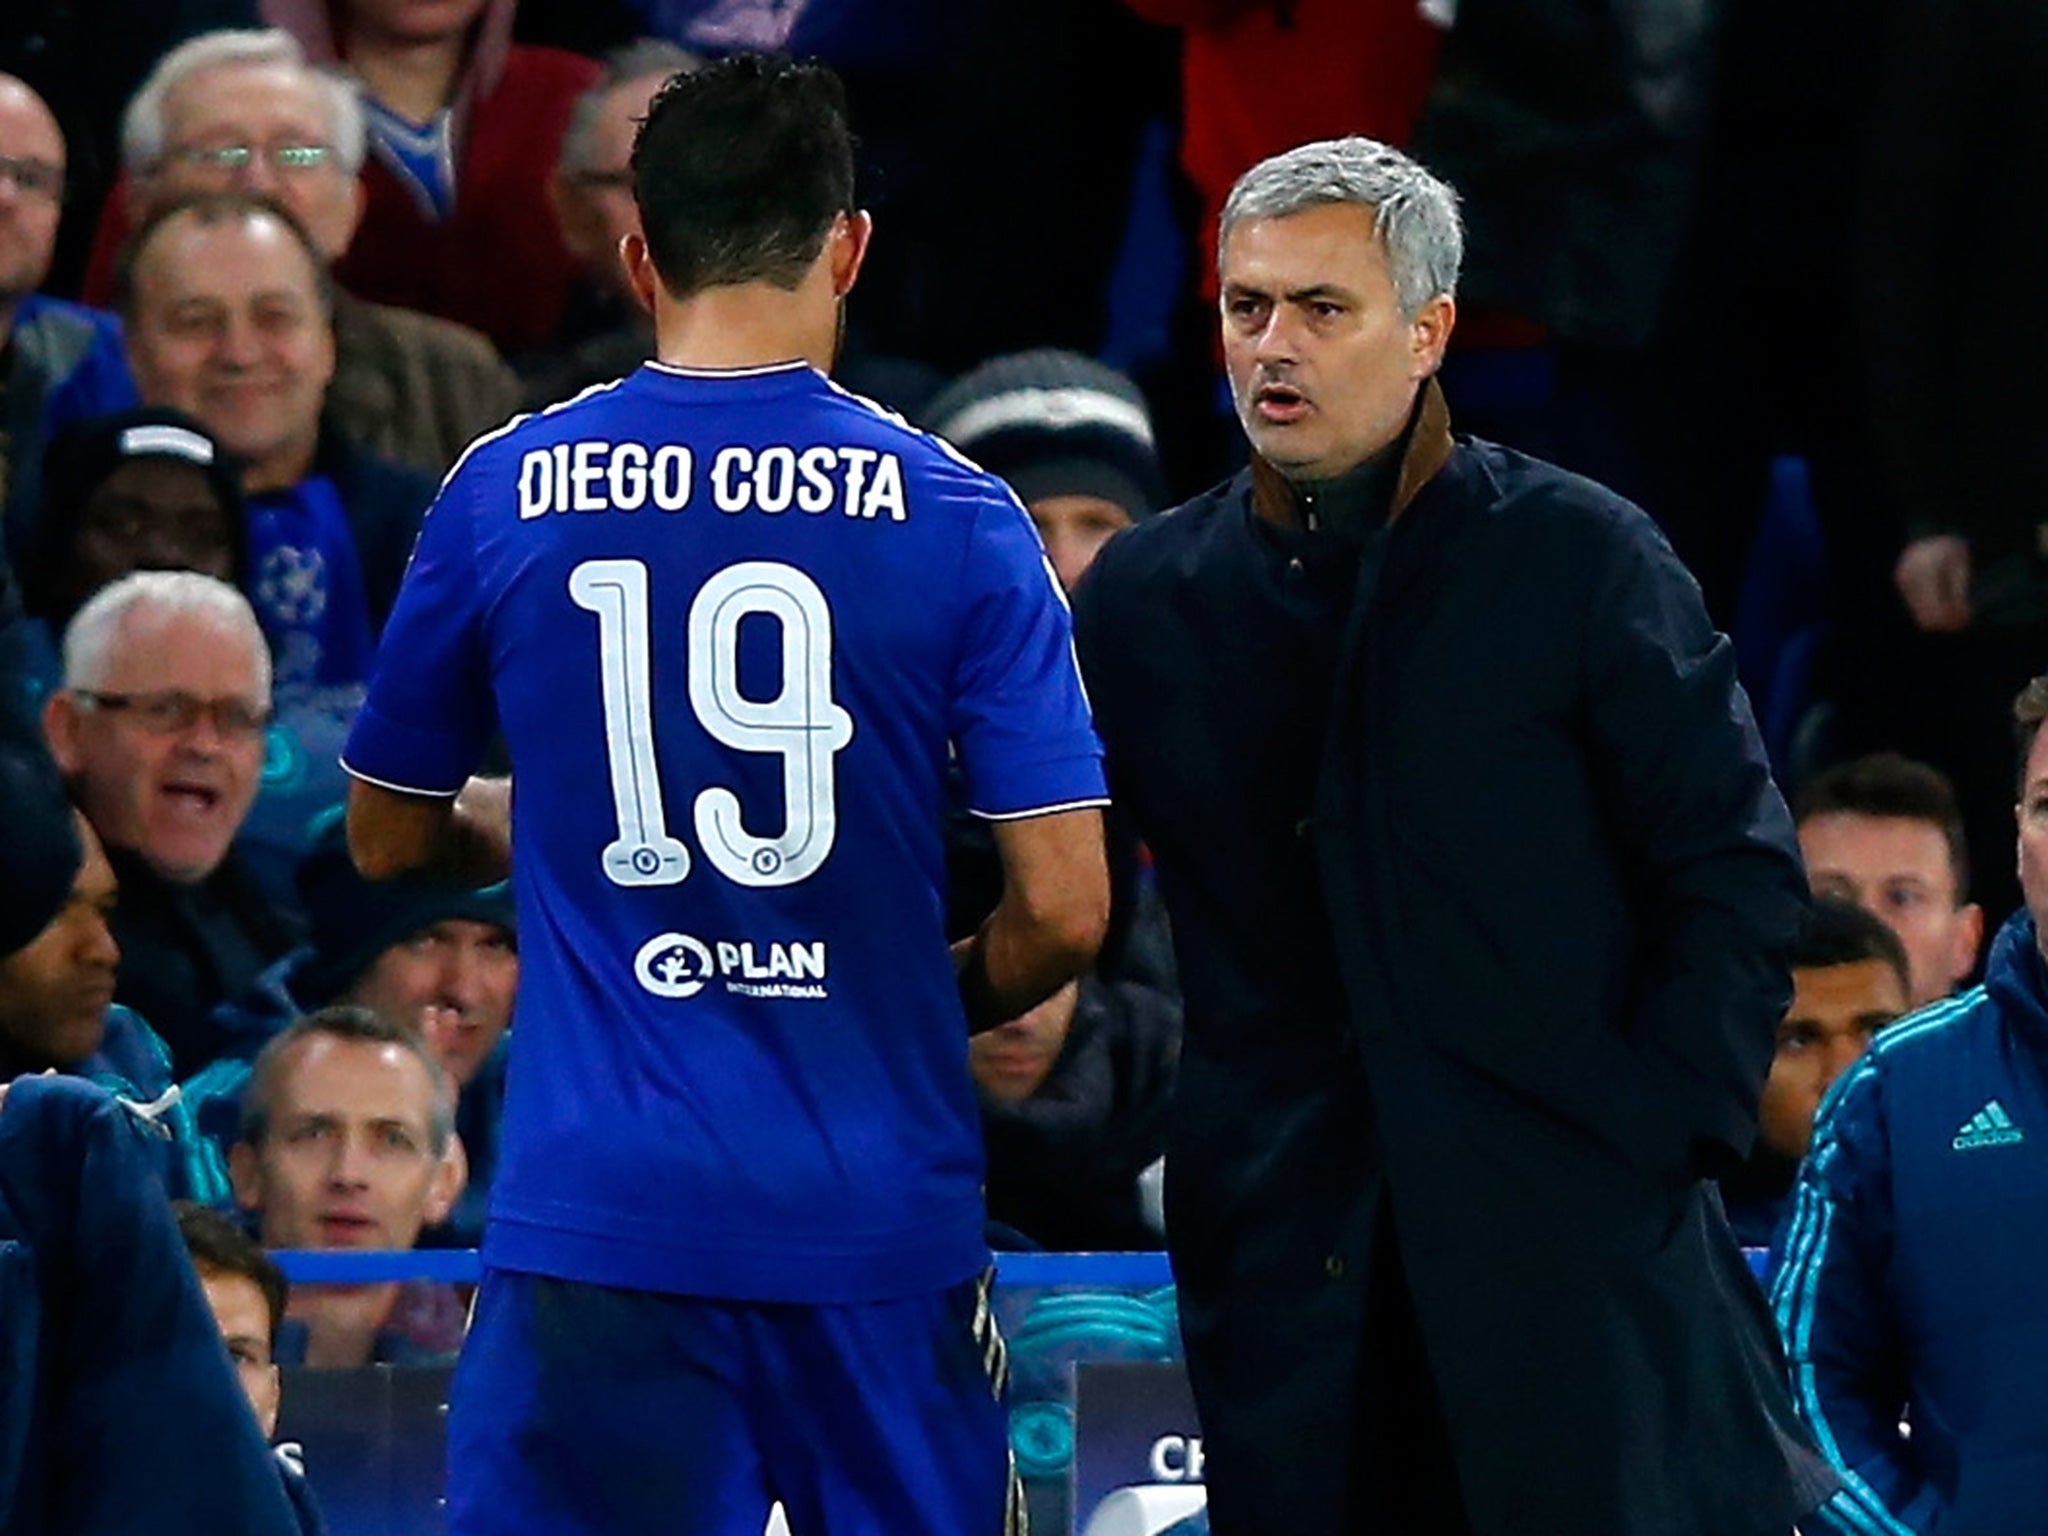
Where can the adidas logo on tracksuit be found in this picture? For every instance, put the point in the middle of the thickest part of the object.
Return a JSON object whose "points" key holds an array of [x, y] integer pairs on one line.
{"points": [[1991, 1126]]}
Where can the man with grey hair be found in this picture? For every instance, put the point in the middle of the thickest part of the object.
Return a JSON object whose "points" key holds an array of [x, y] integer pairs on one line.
{"points": [[243, 112], [1483, 896], [159, 728], [606, 332]]}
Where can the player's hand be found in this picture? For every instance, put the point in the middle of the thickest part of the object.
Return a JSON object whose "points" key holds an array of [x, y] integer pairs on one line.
{"points": [[1933, 576]]}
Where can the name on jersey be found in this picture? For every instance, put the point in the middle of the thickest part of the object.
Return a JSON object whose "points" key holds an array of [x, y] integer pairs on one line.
{"points": [[675, 965], [593, 476]]}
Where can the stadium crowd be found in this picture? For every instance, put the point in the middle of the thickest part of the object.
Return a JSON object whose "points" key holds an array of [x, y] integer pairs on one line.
{"points": [[268, 266]]}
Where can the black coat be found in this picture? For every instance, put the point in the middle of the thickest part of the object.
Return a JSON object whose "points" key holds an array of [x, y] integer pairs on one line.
{"points": [[1481, 891]]}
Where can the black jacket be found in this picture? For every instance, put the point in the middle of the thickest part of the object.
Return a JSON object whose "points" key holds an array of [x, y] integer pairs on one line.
{"points": [[1481, 892]]}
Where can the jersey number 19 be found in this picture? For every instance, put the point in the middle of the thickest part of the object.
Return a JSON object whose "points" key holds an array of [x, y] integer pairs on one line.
{"points": [[801, 724]]}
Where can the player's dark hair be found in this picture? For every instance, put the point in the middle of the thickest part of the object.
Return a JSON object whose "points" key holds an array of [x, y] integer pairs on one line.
{"points": [[342, 1022], [1889, 785], [219, 1247], [739, 170], [1841, 933], [207, 209]]}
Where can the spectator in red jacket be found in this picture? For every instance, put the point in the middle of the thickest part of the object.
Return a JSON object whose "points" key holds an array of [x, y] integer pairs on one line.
{"points": [[464, 128]]}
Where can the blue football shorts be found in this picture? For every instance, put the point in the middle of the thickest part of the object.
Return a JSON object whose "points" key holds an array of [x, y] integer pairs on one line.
{"points": [[584, 1411]]}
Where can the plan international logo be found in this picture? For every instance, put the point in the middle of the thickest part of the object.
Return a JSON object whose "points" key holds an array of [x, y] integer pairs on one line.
{"points": [[1991, 1126]]}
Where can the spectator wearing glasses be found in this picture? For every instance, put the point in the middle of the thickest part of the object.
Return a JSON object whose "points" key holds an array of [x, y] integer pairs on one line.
{"points": [[49, 349], [464, 125], [242, 112], [159, 729]]}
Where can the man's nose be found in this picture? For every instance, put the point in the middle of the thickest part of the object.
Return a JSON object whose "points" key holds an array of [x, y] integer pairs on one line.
{"points": [[350, 1166]]}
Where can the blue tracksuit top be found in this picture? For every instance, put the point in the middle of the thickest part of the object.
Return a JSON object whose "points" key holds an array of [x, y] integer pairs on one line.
{"points": [[119, 1409], [1912, 1279]]}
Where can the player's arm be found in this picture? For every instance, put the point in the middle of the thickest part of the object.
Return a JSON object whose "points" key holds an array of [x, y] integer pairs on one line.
{"points": [[464, 840], [1051, 919]]}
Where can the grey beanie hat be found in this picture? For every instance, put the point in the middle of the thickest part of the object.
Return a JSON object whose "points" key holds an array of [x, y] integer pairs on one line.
{"points": [[1054, 423]]}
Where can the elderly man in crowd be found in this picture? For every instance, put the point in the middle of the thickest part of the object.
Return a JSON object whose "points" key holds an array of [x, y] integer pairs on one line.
{"points": [[227, 305], [159, 727], [243, 112]]}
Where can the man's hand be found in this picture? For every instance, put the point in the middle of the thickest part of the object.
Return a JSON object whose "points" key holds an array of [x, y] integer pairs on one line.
{"points": [[1933, 576]]}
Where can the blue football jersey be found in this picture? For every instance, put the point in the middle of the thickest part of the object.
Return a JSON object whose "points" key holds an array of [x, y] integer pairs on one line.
{"points": [[732, 625]]}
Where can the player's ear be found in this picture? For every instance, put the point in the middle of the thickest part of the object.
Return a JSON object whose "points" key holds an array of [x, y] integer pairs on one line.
{"points": [[638, 261], [848, 244]]}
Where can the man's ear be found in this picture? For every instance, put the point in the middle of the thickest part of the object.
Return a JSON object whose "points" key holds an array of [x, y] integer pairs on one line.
{"points": [[641, 277], [451, 1175], [245, 1174], [1431, 334], [1967, 943], [848, 243], [60, 727]]}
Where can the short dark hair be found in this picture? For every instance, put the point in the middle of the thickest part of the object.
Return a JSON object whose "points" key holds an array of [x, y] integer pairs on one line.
{"points": [[1888, 784], [2028, 711], [207, 209], [1839, 932], [342, 1022], [740, 169], [220, 1247]]}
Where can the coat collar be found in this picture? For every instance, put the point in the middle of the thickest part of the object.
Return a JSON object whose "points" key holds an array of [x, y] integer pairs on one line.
{"points": [[1428, 450]]}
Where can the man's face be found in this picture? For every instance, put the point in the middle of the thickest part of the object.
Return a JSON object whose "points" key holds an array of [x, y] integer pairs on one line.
{"points": [[151, 514], [1899, 871], [32, 195], [1074, 529], [1323, 366], [227, 326], [595, 204], [347, 1160], [2032, 813], [278, 114], [54, 993], [174, 795], [1012, 1061], [243, 1317], [1835, 1010], [455, 981]]}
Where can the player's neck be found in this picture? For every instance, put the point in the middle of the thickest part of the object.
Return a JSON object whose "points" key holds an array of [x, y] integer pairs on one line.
{"points": [[748, 325]]}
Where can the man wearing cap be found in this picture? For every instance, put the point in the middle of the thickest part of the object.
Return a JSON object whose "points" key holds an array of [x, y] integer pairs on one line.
{"points": [[1072, 437], [137, 490], [437, 959]]}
